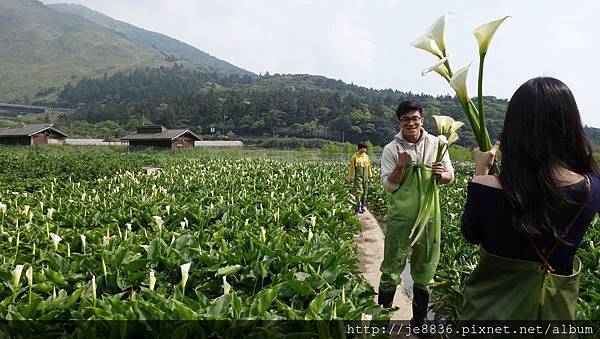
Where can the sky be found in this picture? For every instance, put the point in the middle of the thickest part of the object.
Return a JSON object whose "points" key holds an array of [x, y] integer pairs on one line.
{"points": [[367, 42]]}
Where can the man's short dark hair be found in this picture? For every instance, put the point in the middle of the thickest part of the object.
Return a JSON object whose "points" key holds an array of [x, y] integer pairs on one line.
{"points": [[363, 144], [407, 107]]}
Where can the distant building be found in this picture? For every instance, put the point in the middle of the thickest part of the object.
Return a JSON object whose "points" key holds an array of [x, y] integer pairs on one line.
{"points": [[160, 137], [32, 135], [219, 144], [95, 142]]}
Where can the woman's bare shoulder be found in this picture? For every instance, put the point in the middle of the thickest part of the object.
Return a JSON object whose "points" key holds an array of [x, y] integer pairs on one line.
{"points": [[488, 180]]}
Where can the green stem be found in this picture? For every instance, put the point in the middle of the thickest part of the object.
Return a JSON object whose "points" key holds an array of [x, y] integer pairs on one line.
{"points": [[448, 68], [480, 91], [485, 144], [471, 113]]}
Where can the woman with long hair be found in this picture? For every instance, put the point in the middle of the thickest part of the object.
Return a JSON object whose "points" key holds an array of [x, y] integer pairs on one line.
{"points": [[531, 218]]}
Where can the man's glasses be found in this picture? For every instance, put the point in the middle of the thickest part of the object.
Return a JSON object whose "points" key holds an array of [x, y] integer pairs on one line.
{"points": [[407, 120]]}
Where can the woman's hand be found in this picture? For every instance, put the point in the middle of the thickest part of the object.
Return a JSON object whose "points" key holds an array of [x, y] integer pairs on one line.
{"points": [[485, 160]]}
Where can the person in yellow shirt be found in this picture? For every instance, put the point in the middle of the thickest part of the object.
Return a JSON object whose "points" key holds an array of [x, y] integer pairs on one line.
{"points": [[359, 174]]}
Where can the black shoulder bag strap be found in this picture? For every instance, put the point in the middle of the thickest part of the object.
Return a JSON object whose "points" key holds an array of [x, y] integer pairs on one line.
{"points": [[542, 253]]}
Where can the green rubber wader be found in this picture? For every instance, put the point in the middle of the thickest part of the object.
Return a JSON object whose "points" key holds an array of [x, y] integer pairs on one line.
{"points": [[508, 289], [402, 213], [361, 183]]}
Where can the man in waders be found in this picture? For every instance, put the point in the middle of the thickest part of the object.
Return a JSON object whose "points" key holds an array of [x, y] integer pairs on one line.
{"points": [[359, 173], [407, 166]]}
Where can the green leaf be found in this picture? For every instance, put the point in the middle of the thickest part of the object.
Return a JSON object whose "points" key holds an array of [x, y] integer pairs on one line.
{"points": [[300, 287], [228, 270]]}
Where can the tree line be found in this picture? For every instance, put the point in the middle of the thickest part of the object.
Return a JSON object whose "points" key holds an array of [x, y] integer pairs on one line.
{"points": [[302, 106]]}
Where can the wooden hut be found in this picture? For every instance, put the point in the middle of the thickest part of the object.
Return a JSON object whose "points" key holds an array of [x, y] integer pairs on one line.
{"points": [[32, 135], [160, 137]]}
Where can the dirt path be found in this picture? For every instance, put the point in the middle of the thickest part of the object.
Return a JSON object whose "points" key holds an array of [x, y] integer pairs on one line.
{"points": [[370, 255]]}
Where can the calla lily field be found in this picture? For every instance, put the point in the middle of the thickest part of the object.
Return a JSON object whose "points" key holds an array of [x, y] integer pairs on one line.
{"points": [[214, 239], [201, 239]]}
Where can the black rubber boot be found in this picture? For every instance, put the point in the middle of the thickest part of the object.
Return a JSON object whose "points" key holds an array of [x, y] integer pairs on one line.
{"points": [[419, 307], [386, 298]]}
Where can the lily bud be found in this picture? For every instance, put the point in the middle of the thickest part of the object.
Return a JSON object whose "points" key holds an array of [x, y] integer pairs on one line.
{"points": [[29, 275], [152, 281]]}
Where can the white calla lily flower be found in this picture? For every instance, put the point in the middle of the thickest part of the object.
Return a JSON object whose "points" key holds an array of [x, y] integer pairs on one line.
{"points": [[55, 240], [452, 139], [50, 213], [94, 287], [485, 33], [226, 286], [458, 82], [436, 32], [456, 125], [2, 207], [29, 275], [263, 234], [427, 44], [158, 221], [443, 123], [16, 275], [439, 67], [82, 242], [185, 269], [447, 125], [442, 139]]}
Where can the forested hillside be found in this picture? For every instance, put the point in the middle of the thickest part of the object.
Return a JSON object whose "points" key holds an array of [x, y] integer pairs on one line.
{"points": [[271, 105]]}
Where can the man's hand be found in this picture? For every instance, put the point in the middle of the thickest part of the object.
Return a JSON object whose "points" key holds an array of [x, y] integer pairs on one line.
{"points": [[485, 160], [403, 158], [439, 171]]}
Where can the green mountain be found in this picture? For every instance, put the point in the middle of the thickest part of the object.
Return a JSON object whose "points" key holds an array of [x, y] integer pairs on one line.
{"points": [[173, 49], [42, 49], [272, 108]]}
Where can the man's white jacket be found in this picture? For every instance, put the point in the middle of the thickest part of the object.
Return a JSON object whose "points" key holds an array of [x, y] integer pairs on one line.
{"points": [[423, 151]]}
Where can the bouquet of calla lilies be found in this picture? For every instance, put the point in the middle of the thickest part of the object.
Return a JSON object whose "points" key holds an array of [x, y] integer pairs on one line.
{"points": [[447, 130], [433, 42]]}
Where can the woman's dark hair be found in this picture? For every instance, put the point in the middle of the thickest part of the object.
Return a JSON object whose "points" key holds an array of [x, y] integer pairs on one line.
{"points": [[363, 144], [542, 131], [407, 107]]}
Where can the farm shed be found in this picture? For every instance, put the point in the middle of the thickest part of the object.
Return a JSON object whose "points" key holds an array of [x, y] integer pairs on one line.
{"points": [[32, 135], [160, 137], [219, 144], [95, 142]]}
